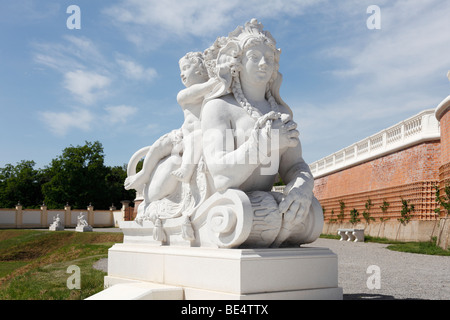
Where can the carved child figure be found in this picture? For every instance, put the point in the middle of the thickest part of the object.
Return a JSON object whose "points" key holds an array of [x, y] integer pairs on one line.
{"points": [[195, 77]]}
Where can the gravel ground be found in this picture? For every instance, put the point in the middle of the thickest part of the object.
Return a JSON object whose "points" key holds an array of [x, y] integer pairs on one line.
{"points": [[403, 275]]}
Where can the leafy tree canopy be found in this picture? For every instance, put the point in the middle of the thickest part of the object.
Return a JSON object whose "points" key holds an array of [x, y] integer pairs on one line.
{"points": [[20, 183], [78, 177]]}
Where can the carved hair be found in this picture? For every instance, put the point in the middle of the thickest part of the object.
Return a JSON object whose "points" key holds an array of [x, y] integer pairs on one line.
{"points": [[228, 66], [195, 58]]}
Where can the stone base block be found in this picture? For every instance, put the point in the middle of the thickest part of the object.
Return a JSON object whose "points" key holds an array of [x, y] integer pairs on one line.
{"points": [[208, 273], [84, 229], [56, 228]]}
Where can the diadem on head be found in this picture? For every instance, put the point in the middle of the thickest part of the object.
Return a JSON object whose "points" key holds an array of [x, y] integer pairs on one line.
{"points": [[251, 30]]}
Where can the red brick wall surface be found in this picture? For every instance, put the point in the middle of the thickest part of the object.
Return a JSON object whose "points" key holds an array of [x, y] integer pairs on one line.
{"points": [[420, 194], [414, 164], [409, 174]]}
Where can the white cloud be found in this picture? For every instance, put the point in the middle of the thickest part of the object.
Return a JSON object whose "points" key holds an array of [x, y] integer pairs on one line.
{"points": [[29, 11], [119, 114], [72, 58], [90, 77], [386, 75], [146, 23], [62, 122], [86, 86], [72, 53], [84, 49], [135, 71], [411, 47], [55, 56]]}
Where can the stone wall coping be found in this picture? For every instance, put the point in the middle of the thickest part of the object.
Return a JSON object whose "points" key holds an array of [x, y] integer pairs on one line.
{"points": [[442, 108], [422, 127]]}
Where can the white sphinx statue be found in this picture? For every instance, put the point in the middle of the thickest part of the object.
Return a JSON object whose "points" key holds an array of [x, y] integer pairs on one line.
{"points": [[209, 183]]}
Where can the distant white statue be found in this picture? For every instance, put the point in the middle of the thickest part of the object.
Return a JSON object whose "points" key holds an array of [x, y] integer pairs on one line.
{"points": [[81, 220], [56, 224], [209, 183], [82, 224]]}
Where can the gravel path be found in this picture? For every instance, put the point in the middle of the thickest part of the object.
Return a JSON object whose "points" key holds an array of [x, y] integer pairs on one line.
{"points": [[403, 275]]}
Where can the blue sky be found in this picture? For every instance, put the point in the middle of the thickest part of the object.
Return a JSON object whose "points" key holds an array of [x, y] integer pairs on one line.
{"points": [[115, 80]]}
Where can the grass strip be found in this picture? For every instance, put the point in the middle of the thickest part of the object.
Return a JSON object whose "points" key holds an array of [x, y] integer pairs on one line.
{"points": [[34, 264]]}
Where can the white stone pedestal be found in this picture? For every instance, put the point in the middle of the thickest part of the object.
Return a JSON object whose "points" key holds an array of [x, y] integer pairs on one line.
{"points": [[83, 229], [222, 274], [56, 228]]}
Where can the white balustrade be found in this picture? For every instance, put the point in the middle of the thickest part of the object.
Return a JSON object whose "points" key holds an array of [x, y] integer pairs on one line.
{"points": [[417, 129]]}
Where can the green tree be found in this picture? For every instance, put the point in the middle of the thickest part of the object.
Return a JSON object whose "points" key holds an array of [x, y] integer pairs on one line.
{"points": [[21, 183], [114, 182], [79, 177]]}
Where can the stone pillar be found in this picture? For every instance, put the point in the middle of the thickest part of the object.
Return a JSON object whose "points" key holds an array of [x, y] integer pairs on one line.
{"points": [[18, 215], [111, 210], [90, 216], [125, 205], [44, 216], [137, 202], [67, 215]]}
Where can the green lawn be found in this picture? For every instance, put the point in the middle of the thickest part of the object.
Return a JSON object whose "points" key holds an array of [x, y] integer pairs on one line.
{"points": [[33, 264], [428, 247]]}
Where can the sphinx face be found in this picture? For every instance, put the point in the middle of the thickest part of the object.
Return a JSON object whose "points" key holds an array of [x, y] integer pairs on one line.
{"points": [[258, 64]]}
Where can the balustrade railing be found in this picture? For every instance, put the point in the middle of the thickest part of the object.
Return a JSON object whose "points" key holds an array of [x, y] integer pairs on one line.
{"points": [[417, 129]]}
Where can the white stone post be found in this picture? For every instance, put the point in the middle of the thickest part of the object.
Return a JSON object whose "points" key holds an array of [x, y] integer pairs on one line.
{"points": [[90, 210], [44, 216], [67, 215], [111, 217], [18, 215]]}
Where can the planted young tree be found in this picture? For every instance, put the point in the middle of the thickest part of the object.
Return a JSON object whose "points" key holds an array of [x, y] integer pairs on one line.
{"points": [[354, 216], [444, 200], [332, 220], [366, 213], [384, 207], [341, 211], [406, 211]]}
